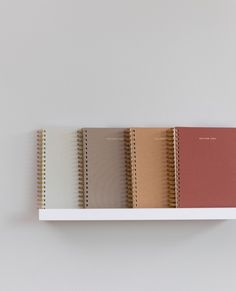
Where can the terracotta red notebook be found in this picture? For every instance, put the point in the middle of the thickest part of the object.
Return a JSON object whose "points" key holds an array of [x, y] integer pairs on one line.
{"points": [[205, 167]]}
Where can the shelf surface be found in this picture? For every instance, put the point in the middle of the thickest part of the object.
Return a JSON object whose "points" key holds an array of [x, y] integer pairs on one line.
{"points": [[137, 214]]}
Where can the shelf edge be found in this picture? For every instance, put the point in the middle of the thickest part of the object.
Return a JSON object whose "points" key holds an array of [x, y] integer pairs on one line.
{"points": [[137, 214]]}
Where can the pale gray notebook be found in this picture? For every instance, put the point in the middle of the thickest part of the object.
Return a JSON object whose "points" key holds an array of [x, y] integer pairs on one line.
{"points": [[58, 168]]}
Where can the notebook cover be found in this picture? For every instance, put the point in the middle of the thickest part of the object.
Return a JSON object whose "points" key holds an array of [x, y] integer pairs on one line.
{"points": [[58, 168], [104, 168], [149, 150], [206, 166]]}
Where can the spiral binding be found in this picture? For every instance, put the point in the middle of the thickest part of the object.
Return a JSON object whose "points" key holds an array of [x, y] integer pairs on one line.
{"points": [[128, 167], [134, 167], [171, 177], [85, 162], [41, 168], [177, 166], [131, 170], [80, 168]]}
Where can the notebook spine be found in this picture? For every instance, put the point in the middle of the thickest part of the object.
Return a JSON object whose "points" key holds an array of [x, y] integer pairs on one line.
{"points": [[131, 170], [128, 167], [41, 168], [80, 168], [177, 166], [85, 161], [171, 176], [134, 168]]}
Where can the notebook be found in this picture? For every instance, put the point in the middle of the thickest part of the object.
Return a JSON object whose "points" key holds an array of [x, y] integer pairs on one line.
{"points": [[57, 168], [147, 167], [103, 168], [205, 167]]}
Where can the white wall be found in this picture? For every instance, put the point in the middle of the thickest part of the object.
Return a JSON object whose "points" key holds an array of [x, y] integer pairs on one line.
{"points": [[111, 63]]}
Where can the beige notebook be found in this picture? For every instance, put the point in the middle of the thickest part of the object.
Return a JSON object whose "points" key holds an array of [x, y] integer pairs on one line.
{"points": [[103, 168], [147, 168]]}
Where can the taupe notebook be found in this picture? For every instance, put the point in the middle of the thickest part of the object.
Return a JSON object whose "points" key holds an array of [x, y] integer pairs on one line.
{"points": [[104, 182], [147, 167]]}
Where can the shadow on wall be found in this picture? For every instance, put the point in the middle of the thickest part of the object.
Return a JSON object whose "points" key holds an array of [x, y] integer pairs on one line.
{"points": [[24, 174], [130, 232]]}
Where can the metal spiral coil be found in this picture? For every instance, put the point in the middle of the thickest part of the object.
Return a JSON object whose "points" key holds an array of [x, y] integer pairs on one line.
{"points": [[128, 168], [131, 170], [80, 148], [171, 176], [41, 168], [177, 167], [134, 167], [85, 167]]}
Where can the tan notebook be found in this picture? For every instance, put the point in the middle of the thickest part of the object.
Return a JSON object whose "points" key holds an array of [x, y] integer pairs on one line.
{"points": [[103, 168], [147, 167]]}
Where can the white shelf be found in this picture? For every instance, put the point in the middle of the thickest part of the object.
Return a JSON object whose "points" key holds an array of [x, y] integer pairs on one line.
{"points": [[137, 214]]}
